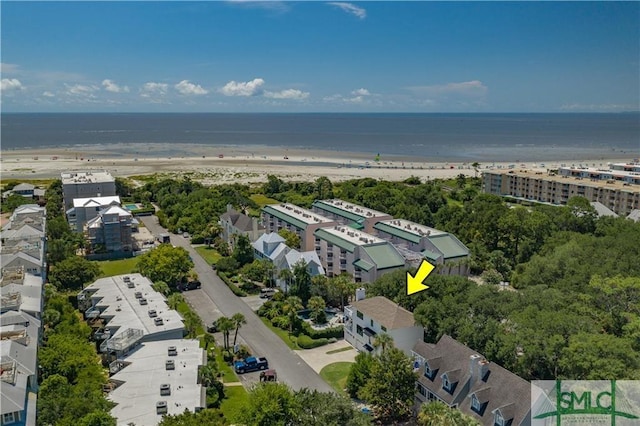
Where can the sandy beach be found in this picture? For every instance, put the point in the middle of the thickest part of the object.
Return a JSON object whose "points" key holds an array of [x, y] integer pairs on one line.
{"points": [[245, 164]]}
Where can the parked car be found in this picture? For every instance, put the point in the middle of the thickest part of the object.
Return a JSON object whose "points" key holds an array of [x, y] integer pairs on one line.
{"points": [[268, 376], [267, 293], [189, 285], [251, 364], [213, 327]]}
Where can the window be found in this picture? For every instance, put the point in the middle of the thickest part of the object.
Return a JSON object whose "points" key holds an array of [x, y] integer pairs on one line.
{"points": [[446, 385], [383, 328], [371, 323], [421, 390], [8, 418], [475, 403], [498, 419], [359, 330], [359, 314]]}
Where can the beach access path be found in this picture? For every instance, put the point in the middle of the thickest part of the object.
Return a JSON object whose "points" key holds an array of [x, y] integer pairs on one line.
{"points": [[291, 369]]}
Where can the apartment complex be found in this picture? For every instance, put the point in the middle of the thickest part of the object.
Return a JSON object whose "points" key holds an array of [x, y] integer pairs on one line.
{"points": [[22, 256], [110, 231], [296, 219], [438, 247], [342, 249], [620, 196], [353, 215], [458, 376], [367, 318], [86, 184]]}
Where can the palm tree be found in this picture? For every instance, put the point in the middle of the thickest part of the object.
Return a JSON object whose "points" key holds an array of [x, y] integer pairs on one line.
{"points": [[475, 166], [238, 321], [316, 305], [208, 340], [207, 374], [225, 325], [383, 341], [291, 307], [286, 275], [174, 300], [191, 323], [343, 286], [161, 287]]}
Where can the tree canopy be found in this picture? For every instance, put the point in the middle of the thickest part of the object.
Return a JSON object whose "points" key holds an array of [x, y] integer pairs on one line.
{"points": [[165, 263]]}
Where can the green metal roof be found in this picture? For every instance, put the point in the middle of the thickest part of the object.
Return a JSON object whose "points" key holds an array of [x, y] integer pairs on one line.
{"points": [[384, 256], [449, 246], [337, 211], [400, 233], [283, 216], [356, 225], [363, 264], [430, 254], [334, 239]]}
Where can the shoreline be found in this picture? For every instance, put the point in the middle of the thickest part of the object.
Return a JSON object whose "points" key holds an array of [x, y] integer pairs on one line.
{"points": [[252, 164]]}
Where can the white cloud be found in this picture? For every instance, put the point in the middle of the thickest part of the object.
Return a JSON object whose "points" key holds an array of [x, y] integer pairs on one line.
{"points": [[287, 94], [10, 85], [239, 88], [577, 107], [187, 88], [465, 88], [151, 88], [351, 8], [275, 6], [110, 86], [358, 96], [361, 92], [81, 90], [48, 94]]}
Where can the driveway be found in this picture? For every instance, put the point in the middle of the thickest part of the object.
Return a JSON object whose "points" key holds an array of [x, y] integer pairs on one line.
{"points": [[289, 365], [318, 358]]}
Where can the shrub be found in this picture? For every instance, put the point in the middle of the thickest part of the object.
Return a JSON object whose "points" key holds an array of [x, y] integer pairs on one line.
{"points": [[281, 322], [306, 342], [327, 333], [234, 288], [227, 264], [197, 239]]}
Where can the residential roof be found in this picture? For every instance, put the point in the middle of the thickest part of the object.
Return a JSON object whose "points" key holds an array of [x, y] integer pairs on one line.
{"points": [[363, 264], [602, 210], [634, 215], [26, 231], [24, 187], [116, 210], [449, 246], [140, 379], [498, 387], [296, 216], [238, 220], [118, 303], [275, 241], [346, 237], [351, 211], [294, 256], [384, 256], [550, 177], [407, 230], [96, 201], [79, 177], [384, 311]]}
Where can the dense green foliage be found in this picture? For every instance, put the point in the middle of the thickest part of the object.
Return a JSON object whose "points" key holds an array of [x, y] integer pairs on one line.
{"points": [[437, 413], [165, 263], [273, 404], [73, 273]]}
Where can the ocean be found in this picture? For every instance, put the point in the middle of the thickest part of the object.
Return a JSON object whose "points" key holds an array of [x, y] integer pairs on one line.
{"points": [[450, 137]]}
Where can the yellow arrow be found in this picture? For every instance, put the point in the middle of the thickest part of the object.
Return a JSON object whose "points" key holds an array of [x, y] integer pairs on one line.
{"points": [[414, 283]]}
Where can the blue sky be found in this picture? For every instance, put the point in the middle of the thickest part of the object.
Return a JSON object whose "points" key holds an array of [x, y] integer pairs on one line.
{"points": [[239, 56]]}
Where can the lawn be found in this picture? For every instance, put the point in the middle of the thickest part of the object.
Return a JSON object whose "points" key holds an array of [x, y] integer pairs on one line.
{"points": [[110, 268], [284, 335], [336, 375], [228, 375], [262, 200], [233, 403], [209, 254]]}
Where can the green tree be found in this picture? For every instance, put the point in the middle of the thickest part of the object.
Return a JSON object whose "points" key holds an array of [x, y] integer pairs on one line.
{"points": [[97, 418], [343, 286], [191, 323], [174, 300], [14, 201], [270, 404], [359, 374], [165, 263], [391, 386], [225, 325], [317, 306], [238, 321], [287, 276], [599, 357], [291, 306], [301, 282], [207, 417], [73, 273], [243, 251], [436, 413], [327, 409], [161, 287], [291, 238], [383, 341]]}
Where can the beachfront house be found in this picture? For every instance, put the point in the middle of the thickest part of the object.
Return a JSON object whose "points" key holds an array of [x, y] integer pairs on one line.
{"points": [[367, 318], [342, 249], [458, 376], [437, 247], [353, 215], [234, 223], [85, 209], [86, 184], [296, 219], [110, 232]]}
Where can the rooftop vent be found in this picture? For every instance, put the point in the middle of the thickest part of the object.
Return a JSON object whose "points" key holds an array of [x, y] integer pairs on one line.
{"points": [[165, 389]]}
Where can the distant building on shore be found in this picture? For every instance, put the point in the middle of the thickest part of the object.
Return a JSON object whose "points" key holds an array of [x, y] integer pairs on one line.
{"points": [[86, 184], [618, 190]]}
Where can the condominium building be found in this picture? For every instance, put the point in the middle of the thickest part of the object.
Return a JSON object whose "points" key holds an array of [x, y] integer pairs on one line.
{"points": [[353, 215], [86, 184], [367, 318], [23, 240], [85, 209], [110, 231], [620, 196], [342, 249], [296, 219], [459, 377], [438, 247]]}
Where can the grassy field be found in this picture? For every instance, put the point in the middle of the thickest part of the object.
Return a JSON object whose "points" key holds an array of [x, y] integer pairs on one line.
{"points": [[209, 254], [232, 405], [262, 200], [110, 268], [336, 375], [284, 335]]}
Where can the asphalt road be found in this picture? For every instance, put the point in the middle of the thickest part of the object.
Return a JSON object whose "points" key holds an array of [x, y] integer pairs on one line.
{"points": [[290, 367]]}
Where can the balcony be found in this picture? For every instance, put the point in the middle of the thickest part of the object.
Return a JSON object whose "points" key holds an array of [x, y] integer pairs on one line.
{"points": [[92, 313]]}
